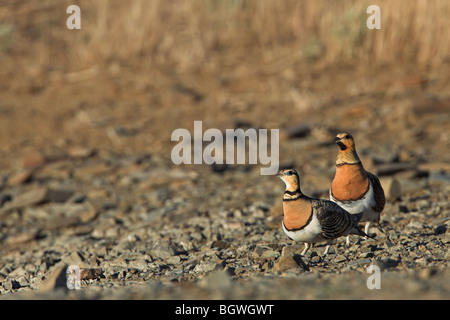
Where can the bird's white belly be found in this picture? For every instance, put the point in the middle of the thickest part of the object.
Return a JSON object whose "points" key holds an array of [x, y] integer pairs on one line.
{"points": [[365, 205], [311, 233]]}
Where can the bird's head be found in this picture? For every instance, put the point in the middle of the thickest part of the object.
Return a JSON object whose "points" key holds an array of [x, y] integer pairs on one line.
{"points": [[290, 178], [345, 141]]}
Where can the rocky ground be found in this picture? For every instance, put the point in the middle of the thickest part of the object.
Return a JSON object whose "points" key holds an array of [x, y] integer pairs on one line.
{"points": [[154, 230]]}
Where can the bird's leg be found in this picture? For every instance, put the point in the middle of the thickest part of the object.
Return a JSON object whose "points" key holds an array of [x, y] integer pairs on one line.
{"points": [[366, 228], [347, 241], [306, 249], [327, 248]]}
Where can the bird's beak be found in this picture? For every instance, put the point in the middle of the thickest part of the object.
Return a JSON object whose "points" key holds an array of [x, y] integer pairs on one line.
{"points": [[279, 174], [337, 140]]}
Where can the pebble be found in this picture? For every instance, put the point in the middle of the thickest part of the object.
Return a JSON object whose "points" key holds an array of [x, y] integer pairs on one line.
{"points": [[139, 264], [56, 279], [391, 187], [285, 263], [340, 258], [206, 267]]}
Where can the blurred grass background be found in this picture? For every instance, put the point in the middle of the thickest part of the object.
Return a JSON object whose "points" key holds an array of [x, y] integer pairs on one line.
{"points": [[147, 63], [206, 34]]}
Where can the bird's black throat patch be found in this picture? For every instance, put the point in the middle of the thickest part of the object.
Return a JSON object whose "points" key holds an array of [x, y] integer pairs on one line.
{"points": [[341, 145]]}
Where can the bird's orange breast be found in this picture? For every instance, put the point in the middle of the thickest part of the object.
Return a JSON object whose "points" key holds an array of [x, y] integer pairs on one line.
{"points": [[350, 182], [296, 214]]}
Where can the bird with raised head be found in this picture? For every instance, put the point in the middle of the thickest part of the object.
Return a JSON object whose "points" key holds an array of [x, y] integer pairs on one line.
{"points": [[353, 188]]}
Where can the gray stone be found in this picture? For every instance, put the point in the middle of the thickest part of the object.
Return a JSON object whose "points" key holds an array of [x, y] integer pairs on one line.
{"points": [[270, 254], [360, 262], [139, 264], [220, 244], [174, 260], [162, 250], [206, 267], [56, 279], [11, 284], [119, 262], [392, 188], [440, 229]]}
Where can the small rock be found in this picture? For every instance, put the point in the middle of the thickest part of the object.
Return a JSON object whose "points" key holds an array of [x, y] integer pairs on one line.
{"points": [[27, 198], [67, 214], [259, 250], [197, 236], [366, 255], [274, 222], [220, 244], [439, 177], [391, 187], [285, 263], [18, 272], [392, 168], [206, 267], [22, 237], [299, 131], [33, 160], [23, 281], [11, 284], [276, 210], [75, 258], [57, 195], [80, 152], [140, 264], [90, 273], [415, 225], [174, 260], [5, 198], [119, 262], [386, 263], [360, 262], [56, 279], [385, 157], [270, 254], [162, 250], [19, 177], [447, 255], [435, 166], [38, 196], [411, 185], [340, 258], [291, 250]]}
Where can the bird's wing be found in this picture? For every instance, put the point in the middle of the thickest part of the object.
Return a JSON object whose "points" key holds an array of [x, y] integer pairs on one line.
{"points": [[334, 220], [378, 192]]}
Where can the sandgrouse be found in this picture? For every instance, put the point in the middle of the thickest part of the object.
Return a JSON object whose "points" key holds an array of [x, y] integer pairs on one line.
{"points": [[353, 188], [311, 220]]}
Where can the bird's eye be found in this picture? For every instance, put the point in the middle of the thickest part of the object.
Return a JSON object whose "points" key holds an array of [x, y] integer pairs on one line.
{"points": [[289, 173], [347, 137]]}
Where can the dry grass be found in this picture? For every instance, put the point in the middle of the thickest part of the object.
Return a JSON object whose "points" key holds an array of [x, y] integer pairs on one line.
{"points": [[210, 34]]}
